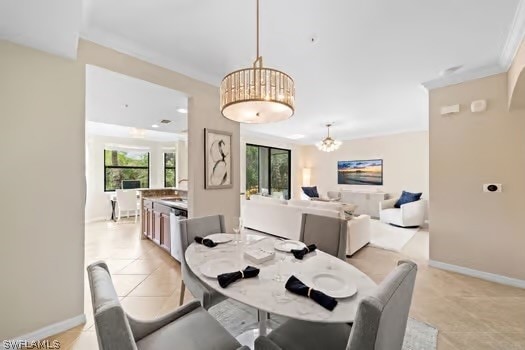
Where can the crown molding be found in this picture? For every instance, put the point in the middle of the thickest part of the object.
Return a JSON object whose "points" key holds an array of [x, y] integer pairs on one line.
{"points": [[465, 75], [137, 51], [515, 37]]}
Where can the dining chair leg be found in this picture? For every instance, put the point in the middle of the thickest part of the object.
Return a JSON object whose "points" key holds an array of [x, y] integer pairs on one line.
{"points": [[182, 290]]}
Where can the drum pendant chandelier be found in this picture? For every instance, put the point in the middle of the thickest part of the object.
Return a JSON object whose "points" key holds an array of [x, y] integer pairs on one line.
{"points": [[257, 94]]}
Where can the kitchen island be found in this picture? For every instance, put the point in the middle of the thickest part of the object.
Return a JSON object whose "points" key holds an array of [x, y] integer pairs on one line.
{"points": [[161, 209]]}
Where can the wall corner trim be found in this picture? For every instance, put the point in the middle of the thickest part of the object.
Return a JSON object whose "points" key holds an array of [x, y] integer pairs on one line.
{"points": [[514, 282], [53, 329], [515, 37]]}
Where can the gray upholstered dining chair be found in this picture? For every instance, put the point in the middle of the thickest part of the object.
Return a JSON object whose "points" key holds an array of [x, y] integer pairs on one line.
{"points": [[182, 328], [380, 321], [189, 229], [327, 233]]}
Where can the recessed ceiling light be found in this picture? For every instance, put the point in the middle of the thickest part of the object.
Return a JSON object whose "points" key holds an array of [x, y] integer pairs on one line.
{"points": [[450, 70], [295, 137], [154, 126], [182, 110]]}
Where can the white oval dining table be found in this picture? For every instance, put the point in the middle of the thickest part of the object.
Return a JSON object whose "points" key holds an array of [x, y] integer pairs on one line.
{"points": [[267, 292]]}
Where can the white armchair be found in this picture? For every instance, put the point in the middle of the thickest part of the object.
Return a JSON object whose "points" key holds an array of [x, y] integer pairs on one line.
{"points": [[409, 215]]}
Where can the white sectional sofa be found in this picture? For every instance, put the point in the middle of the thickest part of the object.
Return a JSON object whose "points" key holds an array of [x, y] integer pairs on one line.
{"points": [[283, 218]]}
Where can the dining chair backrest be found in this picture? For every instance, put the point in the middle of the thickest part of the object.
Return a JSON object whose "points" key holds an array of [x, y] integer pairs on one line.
{"points": [[127, 199], [202, 226], [381, 318], [327, 233], [111, 321]]}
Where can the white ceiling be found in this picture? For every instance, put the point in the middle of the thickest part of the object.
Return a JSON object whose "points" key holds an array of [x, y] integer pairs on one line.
{"points": [[113, 98], [50, 25], [104, 129], [364, 71]]}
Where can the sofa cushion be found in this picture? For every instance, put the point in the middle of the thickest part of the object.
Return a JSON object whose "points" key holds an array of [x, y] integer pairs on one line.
{"points": [[299, 203], [327, 205], [407, 197], [311, 191], [266, 199]]}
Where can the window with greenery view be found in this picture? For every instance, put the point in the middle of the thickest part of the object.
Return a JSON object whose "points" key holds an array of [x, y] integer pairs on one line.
{"points": [[125, 165], [169, 169], [268, 170]]}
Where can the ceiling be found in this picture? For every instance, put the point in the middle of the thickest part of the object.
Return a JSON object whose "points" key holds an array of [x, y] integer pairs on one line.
{"points": [[104, 129], [50, 25], [363, 70], [113, 98]]}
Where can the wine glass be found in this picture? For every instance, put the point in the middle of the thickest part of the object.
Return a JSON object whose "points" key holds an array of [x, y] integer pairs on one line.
{"points": [[237, 229], [279, 273]]}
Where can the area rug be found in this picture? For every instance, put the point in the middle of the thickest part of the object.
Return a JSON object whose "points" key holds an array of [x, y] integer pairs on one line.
{"points": [[237, 318], [389, 237]]}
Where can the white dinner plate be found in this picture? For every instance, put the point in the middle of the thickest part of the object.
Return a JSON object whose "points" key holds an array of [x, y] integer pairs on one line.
{"points": [[331, 284], [221, 237], [213, 268], [287, 246]]}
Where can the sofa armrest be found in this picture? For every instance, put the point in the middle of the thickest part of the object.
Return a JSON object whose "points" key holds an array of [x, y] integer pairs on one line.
{"points": [[414, 212], [358, 231], [387, 204], [142, 328]]}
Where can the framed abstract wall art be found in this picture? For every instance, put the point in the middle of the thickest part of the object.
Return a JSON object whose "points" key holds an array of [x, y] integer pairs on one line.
{"points": [[217, 159]]}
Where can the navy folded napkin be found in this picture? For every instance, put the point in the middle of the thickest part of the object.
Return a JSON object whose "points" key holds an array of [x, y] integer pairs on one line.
{"points": [[300, 253], [294, 285], [226, 279], [205, 241]]}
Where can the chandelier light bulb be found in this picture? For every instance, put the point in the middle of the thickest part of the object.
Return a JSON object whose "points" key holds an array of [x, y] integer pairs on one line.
{"points": [[328, 144]]}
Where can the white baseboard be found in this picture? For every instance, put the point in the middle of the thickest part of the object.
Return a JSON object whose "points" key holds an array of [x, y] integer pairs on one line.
{"points": [[53, 329], [492, 277]]}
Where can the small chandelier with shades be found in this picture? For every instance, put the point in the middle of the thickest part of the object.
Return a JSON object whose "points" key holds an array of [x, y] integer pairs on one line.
{"points": [[328, 144], [257, 94]]}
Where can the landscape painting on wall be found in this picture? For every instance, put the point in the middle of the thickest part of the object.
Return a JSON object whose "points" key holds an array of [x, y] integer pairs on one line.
{"points": [[360, 172]]}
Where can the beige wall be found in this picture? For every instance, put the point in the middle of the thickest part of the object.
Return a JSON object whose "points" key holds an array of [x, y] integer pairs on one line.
{"points": [[43, 189], [42, 135], [203, 112], [470, 228], [516, 80], [405, 162]]}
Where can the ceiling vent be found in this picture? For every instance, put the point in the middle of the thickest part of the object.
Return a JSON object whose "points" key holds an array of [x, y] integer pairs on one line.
{"points": [[165, 121]]}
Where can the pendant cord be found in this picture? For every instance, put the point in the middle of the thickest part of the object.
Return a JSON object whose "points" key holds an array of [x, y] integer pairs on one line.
{"points": [[257, 30]]}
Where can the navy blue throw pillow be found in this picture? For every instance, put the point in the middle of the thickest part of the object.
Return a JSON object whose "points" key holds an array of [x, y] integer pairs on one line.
{"points": [[407, 197], [311, 191]]}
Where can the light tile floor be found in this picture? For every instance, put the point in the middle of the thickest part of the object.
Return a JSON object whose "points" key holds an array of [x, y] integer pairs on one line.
{"points": [[469, 313]]}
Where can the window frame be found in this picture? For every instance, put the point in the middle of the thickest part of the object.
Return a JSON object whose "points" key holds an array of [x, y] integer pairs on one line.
{"points": [[125, 167], [174, 168], [270, 148]]}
